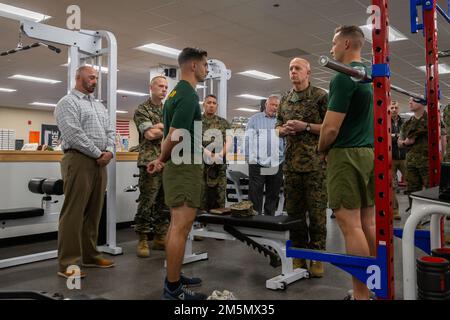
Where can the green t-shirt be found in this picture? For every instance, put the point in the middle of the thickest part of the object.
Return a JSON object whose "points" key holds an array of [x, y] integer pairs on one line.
{"points": [[181, 111], [355, 99]]}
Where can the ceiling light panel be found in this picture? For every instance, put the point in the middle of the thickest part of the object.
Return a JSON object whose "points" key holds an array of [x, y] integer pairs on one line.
{"points": [[33, 79], [250, 96], [19, 13], [132, 93], [258, 75], [160, 50]]}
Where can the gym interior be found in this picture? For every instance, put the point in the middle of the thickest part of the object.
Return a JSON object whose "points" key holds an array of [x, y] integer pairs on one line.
{"points": [[251, 46]]}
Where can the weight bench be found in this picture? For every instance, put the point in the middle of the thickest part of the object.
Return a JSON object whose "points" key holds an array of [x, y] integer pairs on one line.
{"points": [[266, 234], [29, 216]]}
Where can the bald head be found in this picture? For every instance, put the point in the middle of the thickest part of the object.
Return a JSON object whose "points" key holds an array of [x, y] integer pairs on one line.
{"points": [[299, 73], [86, 79]]}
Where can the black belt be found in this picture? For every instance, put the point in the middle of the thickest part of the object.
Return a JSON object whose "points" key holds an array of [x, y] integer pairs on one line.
{"points": [[71, 150]]}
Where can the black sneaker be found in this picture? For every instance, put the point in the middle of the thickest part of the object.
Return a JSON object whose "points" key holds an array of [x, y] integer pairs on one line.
{"points": [[182, 293], [190, 281]]}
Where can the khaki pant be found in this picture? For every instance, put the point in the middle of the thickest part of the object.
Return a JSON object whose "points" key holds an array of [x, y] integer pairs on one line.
{"points": [[397, 165], [84, 191]]}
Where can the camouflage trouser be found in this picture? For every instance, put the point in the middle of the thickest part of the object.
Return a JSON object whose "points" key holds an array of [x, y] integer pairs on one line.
{"points": [[150, 217], [214, 194], [416, 178], [306, 192]]}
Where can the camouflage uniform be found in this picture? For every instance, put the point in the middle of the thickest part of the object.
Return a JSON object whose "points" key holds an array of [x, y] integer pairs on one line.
{"points": [[417, 154], [214, 175], [304, 172], [150, 217], [446, 121]]}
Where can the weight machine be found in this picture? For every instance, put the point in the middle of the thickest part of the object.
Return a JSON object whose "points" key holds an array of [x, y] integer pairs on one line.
{"points": [[84, 47]]}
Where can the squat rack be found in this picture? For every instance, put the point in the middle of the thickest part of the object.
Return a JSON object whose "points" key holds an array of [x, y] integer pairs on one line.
{"points": [[378, 272]]}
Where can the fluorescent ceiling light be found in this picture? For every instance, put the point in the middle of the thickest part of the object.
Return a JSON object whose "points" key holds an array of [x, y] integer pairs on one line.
{"points": [[199, 86], [247, 110], [160, 50], [258, 75], [443, 68], [121, 111], [394, 34], [7, 90], [33, 79], [15, 12], [43, 104], [251, 96], [132, 93]]}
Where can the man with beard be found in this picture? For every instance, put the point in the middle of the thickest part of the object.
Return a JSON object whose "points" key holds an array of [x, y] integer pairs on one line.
{"points": [[88, 144]]}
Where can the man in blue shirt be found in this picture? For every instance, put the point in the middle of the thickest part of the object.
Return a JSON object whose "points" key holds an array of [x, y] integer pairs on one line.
{"points": [[265, 155]]}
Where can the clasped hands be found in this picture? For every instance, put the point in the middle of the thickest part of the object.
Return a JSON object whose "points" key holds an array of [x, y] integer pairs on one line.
{"points": [[104, 159], [292, 127]]}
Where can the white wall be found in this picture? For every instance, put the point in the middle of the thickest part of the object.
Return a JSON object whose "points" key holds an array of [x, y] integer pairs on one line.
{"points": [[17, 119]]}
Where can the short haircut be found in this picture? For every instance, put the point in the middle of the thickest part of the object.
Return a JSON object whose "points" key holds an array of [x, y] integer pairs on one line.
{"points": [[152, 82], [210, 96], [394, 102], [353, 32], [189, 54], [83, 68], [273, 96]]}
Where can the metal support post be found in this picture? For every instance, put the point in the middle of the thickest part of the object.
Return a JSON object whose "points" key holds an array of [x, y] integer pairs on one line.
{"points": [[383, 153]]}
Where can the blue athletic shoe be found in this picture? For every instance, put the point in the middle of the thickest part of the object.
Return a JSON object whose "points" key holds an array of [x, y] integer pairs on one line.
{"points": [[182, 293], [190, 281]]}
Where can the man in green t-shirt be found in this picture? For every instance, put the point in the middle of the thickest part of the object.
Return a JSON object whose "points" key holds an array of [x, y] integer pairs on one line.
{"points": [[346, 139], [182, 176]]}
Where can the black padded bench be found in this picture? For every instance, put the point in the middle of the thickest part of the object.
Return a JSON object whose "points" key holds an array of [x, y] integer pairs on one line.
{"points": [[39, 186], [265, 234], [20, 213]]}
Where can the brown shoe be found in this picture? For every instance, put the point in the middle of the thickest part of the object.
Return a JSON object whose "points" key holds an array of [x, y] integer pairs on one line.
{"points": [[66, 274], [299, 263], [397, 215], [100, 263], [159, 243], [143, 250], [447, 239], [316, 269]]}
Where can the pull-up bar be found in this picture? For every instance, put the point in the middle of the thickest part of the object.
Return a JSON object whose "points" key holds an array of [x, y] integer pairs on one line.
{"points": [[34, 45], [359, 74]]}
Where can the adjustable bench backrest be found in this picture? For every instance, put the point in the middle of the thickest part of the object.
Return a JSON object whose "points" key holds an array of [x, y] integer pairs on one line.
{"points": [[274, 223]]}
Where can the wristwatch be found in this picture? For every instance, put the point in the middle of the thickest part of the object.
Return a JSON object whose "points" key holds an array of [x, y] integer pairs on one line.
{"points": [[308, 127]]}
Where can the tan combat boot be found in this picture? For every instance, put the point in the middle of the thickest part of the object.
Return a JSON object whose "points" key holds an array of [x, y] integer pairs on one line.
{"points": [[143, 250], [159, 242], [299, 263], [316, 269], [396, 215]]}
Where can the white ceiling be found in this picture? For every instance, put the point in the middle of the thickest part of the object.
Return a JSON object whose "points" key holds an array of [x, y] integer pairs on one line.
{"points": [[241, 33]]}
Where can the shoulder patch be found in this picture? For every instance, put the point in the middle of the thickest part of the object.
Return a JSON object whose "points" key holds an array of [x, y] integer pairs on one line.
{"points": [[173, 94]]}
